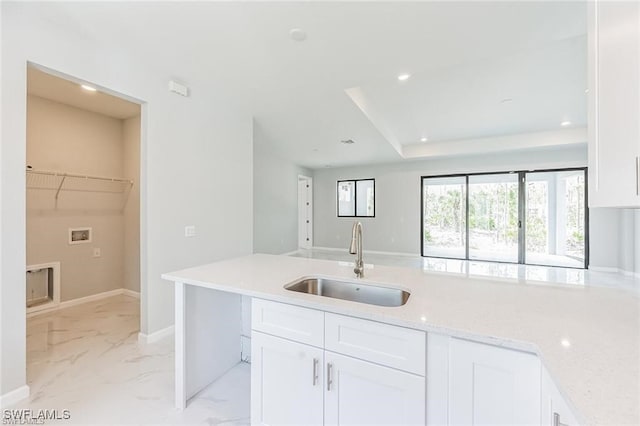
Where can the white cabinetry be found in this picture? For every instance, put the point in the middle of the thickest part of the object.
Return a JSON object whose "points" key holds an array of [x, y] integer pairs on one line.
{"points": [[363, 393], [555, 410], [492, 386], [614, 104], [293, 382], [312, 367], [473, 383], [286, 382]]}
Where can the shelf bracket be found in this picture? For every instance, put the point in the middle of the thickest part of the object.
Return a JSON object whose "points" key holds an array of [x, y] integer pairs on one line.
{"points": [[59, 188]]}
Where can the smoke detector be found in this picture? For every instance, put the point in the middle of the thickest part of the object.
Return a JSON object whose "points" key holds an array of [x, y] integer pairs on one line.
{"points": [[298, 34]]}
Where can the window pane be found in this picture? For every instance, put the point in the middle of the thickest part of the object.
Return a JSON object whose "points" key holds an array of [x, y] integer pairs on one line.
{"points": [[444, 210], [555, 221], [346, 198], [365, 201], [493, 217]]}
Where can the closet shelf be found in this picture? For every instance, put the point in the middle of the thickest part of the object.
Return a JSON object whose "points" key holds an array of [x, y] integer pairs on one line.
{"points": [[62, 181]]}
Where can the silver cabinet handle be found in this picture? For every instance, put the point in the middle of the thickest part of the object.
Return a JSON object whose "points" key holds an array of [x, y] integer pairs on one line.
{"points": [[329, 381], [556, 420], [315, 371]]}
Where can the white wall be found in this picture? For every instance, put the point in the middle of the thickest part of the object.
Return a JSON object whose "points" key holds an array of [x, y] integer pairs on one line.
{"points": [[604, 244], [636, 266], [196, 157], [131, 140], [275, 198], [396, 227], [67, 139], [615, 240]]}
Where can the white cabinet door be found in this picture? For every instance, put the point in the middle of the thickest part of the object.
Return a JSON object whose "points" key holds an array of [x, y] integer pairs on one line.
{"points": [[286, 382], [489, 385], [362, 393], [555, 409], [614, 104]]}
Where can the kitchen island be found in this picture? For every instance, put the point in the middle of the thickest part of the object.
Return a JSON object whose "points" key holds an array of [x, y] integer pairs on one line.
{"points": [[586, 338]]}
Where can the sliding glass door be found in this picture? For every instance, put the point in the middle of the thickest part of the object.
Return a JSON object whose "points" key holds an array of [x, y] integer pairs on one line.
{"points": [[533, 217], [444, 211], [493, 217], [556, 218]]}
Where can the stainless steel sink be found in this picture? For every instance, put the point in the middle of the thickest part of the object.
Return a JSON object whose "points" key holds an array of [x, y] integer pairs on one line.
{"points": [[347, 290]]}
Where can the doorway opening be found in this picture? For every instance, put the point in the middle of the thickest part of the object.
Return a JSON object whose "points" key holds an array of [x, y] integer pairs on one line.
{"points": [[82, 213]]}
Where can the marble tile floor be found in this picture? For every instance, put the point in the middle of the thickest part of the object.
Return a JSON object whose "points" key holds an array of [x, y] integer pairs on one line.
{"points": [[530, 274], [87, 359]]}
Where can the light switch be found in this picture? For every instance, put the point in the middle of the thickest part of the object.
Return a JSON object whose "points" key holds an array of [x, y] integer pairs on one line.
{"points": [[97, 252], [190, 231]]}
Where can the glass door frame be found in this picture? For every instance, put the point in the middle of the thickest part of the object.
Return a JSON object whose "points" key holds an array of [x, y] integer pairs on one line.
{"points": [[586, 214], [522, 213]]}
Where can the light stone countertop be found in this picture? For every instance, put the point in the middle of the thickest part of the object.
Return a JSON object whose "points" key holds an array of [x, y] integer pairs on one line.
{"points": [[599, 372]]}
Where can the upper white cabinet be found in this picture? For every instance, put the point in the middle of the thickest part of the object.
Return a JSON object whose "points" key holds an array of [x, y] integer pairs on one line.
{"points": [[614, 104]]}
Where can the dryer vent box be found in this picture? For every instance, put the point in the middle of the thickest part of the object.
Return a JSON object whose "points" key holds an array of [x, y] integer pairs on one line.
{"points": [[79, 235]]}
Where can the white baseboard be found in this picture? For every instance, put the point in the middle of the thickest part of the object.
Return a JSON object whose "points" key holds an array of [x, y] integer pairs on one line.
{"points": [[329, 248], [611, 270], [131, 293], [603, 269], [391, 253], [14, 396], [86, 299], [91, 298], [156, 336], [289, 253], [630, 273]]}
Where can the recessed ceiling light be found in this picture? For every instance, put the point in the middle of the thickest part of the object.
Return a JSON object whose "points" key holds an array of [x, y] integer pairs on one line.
{"points": [[566, 343], [348, 141], [404, 77], [565, 123], [297, 34], [423, 139], [88, 88]]}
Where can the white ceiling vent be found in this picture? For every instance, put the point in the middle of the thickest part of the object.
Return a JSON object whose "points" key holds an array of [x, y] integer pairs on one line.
{"points": [[178, 88]]}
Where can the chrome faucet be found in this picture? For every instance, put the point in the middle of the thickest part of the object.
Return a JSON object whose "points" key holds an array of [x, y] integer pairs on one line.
{"points": [[356, 248]]}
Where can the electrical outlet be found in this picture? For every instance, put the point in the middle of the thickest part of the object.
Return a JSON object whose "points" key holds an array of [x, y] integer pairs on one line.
{"points": [[97, 252], [190, 231]]}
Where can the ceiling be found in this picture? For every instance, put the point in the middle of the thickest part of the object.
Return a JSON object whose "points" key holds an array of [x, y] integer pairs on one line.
{"points": [[464, 58], [530, 91], [45, 85]]}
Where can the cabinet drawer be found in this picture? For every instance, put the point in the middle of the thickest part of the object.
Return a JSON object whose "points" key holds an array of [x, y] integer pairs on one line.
{"points": [[384, 344], [291, 322]]}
